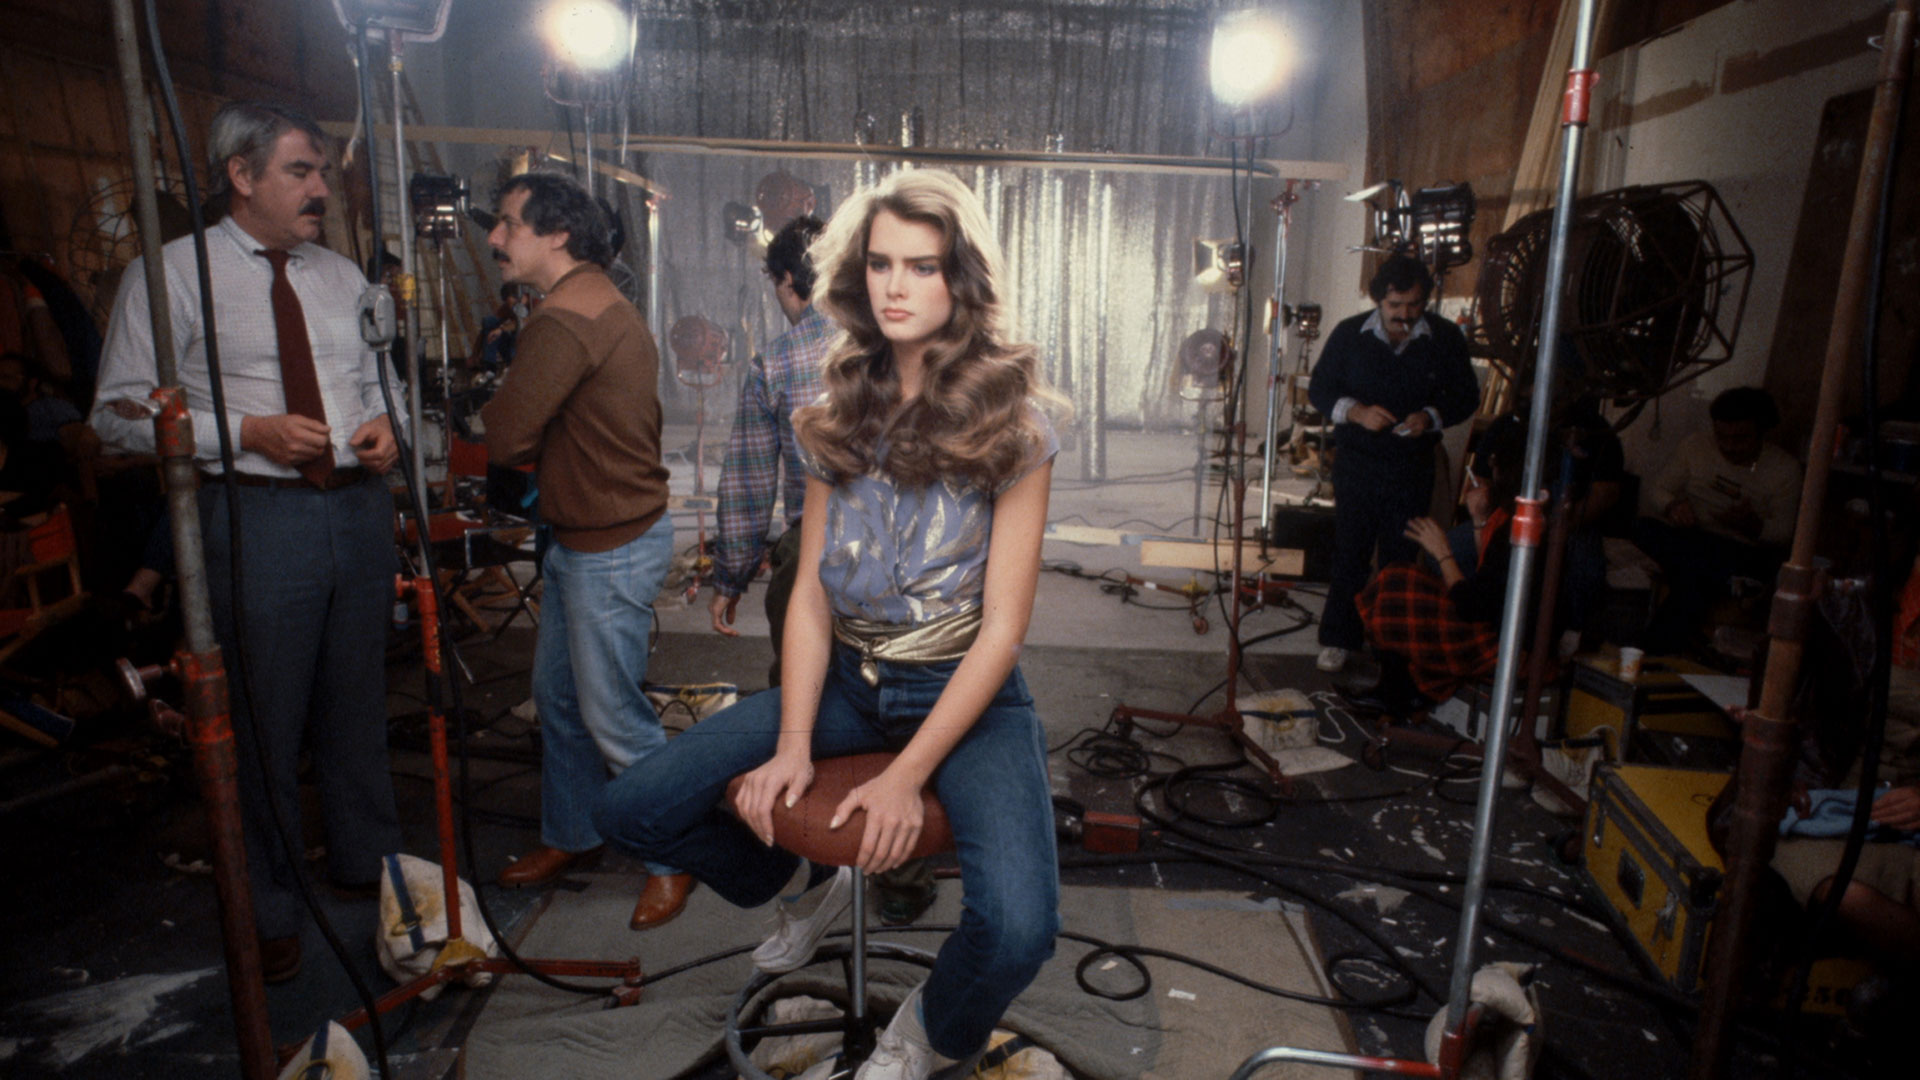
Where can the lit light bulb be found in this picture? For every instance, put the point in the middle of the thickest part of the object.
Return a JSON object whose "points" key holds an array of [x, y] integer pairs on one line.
{"points": [[1250, 56], [590, 35]]}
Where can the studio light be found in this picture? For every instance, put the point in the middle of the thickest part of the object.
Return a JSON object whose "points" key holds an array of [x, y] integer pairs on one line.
{"points": [[1439, 224], [439, 204], [587, 35], [1250, 57], [421, 20], [740, 223], [1219, 265]]}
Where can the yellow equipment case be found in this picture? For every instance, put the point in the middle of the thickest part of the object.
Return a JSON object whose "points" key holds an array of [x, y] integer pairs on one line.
{"points": [[1648, 860], [1644, 719]]}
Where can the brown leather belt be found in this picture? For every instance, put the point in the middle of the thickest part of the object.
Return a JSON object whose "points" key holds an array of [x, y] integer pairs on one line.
{"points": [[335, 480]]}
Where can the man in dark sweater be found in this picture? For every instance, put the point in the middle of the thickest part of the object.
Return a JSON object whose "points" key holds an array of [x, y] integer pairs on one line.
{"points": [[1390, 380], [581, 399]]}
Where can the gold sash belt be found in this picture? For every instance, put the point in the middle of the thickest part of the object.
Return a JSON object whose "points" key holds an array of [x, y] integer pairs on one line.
{"points": [[937, 642]]}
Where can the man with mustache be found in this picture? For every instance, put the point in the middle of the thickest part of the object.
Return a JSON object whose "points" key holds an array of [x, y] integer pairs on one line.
{"points": [[313, 440], [1390, 380], [582, 400]]}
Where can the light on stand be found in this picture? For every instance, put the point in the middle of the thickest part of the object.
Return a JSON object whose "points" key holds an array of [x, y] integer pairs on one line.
{"points": [[1219, 265], [587, 35], [1250, 57], [590, 39], [700, 356], [740, 223], [1439, 222]]}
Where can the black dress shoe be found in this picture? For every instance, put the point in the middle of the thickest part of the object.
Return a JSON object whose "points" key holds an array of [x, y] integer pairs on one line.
{"points": [[279, 958]]}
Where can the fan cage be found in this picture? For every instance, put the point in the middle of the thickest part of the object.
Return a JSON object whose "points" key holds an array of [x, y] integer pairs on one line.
{"points": [[1657, 283]]}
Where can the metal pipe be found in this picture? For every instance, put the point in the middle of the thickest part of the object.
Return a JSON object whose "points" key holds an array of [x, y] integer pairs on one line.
{"points": [[872, 149], [653, 271], [1527, 526], [1055, 240], [1283, 218], [210, 729], [1085, 318], [857, 972], [409, 283], [586, 127], [1200, 464], [1096, 420], [626, 87], [442, 301], [1766, 755], [146, 202], [1331, 1060]]}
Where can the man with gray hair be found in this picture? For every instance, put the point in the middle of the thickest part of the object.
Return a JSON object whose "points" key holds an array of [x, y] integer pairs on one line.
{"points": [[312, 440]]}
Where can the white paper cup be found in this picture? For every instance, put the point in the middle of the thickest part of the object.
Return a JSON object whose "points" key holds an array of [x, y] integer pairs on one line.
{"points": [[1630, 658]]}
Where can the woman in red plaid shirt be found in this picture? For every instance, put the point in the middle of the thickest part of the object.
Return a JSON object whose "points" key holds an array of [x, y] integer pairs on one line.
{"points": [[1436, 625]]}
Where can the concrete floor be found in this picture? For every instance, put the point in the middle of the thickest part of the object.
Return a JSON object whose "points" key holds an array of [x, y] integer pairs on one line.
{"points": [[113, 969]]}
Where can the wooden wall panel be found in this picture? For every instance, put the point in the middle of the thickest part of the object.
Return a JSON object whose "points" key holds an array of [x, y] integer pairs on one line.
{"points": [[285, 50], [1451, 86]]}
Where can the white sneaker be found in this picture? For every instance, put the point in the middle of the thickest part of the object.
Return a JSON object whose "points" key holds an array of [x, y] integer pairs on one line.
{"points": [[795, 937], [1332, 658], [903, 1052]]}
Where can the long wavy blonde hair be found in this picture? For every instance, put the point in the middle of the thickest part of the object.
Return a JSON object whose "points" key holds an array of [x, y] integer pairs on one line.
{"points": [[971, 423]]}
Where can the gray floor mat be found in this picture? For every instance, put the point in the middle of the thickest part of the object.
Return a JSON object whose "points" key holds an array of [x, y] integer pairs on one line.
{"points": [[1190, 1024]]}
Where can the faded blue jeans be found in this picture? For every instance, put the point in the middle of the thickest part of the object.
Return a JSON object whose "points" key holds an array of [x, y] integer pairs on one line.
{"points": [[589, 659], [993, 786]]}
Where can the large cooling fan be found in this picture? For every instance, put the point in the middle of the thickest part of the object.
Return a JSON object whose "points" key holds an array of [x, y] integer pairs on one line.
{"points": [[1656, 284], [105, 236]]}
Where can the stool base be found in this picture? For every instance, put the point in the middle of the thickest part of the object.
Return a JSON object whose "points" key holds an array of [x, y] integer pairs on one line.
{"points": [[856, 1027]]}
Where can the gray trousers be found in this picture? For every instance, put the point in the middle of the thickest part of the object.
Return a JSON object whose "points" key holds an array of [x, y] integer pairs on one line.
{"points": [[316, 592]]}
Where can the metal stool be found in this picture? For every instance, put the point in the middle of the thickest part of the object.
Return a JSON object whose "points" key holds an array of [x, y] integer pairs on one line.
{"points": [[802, 829]]}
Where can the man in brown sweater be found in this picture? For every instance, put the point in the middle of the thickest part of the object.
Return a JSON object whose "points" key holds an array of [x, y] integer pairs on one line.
{"points": [[581, 400]]}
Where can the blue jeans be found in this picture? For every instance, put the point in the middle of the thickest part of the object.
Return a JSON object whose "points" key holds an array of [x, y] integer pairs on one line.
{"points": [[318, 590], [993, 786], [589, 659]]}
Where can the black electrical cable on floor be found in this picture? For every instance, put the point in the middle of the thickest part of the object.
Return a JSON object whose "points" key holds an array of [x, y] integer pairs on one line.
{"points": [[290, 847]]}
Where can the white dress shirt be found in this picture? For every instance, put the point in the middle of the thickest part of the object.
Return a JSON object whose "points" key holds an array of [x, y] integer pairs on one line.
{"points": [[329, 288]]}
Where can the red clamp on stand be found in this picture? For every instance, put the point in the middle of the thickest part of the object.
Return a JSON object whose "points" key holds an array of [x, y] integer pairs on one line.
{"points": [[172, 425], [1529, 522], [1579, 96], [209, 731]]}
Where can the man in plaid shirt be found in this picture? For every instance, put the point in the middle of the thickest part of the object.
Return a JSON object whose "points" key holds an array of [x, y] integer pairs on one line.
{"points": [[762, 457]]}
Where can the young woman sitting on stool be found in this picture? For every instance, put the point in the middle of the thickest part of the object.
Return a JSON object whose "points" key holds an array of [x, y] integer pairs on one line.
{"points": [[926, 500]]}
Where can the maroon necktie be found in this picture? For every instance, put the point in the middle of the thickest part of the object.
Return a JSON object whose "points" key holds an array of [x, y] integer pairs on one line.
{"points": [[297, 378]]}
